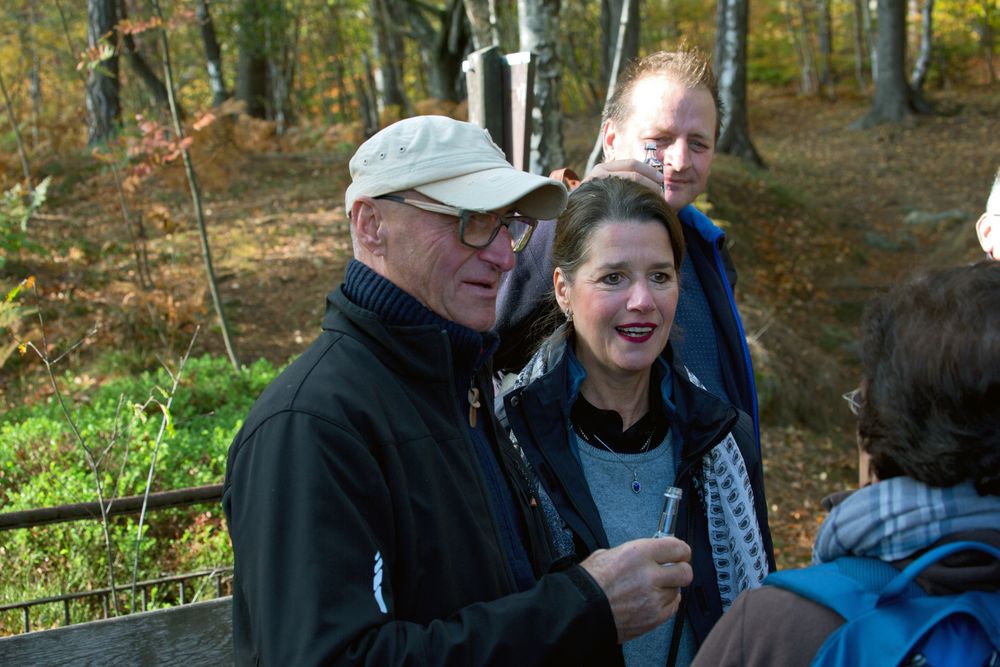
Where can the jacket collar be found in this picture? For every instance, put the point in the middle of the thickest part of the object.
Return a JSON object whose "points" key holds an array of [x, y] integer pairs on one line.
{"points": [[386, 311], [698, 418]]}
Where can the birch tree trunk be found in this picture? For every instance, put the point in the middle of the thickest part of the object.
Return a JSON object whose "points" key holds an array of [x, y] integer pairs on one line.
{"points": [[482, 15], [103, 89], [809, 77], [538, 24], [734, 137], [35, 76], [923, 62], [799, 38], [213, 52], [866, 16]]}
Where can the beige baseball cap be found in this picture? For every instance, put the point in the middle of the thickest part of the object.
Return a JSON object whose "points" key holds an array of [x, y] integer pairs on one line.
{"points": [[453, 162]]}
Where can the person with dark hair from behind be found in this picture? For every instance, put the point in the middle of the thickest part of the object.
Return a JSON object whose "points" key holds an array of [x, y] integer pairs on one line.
{"points": [[668, 99], [610, 417], [988, 225], [929, 441]]}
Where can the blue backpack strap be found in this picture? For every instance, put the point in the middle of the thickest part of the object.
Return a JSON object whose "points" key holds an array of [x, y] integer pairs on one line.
{"points": [[849, 585]]}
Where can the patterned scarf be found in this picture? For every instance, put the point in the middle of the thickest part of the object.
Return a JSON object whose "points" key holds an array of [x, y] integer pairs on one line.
{"points": [[897, 517], [733, 531]]}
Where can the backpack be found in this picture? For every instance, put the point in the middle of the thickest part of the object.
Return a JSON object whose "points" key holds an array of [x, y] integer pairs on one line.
{"points": [[891, 620]]}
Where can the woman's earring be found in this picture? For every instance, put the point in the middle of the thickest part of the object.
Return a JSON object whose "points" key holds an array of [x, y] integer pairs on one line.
{"points": [[569, 315]]}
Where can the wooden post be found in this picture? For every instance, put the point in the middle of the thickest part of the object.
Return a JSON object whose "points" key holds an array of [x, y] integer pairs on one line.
{"points": [[501, 96]]}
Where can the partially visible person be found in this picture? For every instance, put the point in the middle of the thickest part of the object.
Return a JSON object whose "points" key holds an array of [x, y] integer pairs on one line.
{"points": [[670, 99], [609, 416], [929, 442], [378, 513], [988, 225]]}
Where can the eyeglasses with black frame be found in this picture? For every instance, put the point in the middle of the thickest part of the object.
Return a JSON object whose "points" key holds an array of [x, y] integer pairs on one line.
{"points": [[477, 229]]}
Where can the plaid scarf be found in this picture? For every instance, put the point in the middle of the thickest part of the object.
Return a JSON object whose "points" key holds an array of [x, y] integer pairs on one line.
{"points": [[897, 517]]}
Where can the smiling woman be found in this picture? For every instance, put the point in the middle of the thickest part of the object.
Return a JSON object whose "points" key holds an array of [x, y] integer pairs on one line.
{"points": [[639, 421]]}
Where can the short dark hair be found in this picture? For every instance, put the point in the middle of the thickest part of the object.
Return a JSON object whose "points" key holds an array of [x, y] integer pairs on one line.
{"points": [[930, 399], [688, 66]]}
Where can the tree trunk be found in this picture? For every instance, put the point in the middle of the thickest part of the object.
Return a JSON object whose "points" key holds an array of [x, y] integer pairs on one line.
{"points": [[827, 80], [195, 195], [796, 38], [103, 89], [482, 17], [617, 63], [611, 11], [866, 18], [281, 37], [139, 65], [538, 23], [365, 87], [923, 62], [986, 38], [387, 45], [21, 151], [213, 52], [809, 78], [443, 47], [894, 100], [734, 137], [860, 47], [30, 41], [251, 74]]}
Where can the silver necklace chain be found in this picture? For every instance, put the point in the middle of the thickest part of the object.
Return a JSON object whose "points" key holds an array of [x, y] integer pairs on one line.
{"points": [[636, 484]]}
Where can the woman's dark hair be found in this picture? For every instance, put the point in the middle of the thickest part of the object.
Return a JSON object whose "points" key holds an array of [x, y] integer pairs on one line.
{"points": [[604, 200], [592, 205], [930, 407]]}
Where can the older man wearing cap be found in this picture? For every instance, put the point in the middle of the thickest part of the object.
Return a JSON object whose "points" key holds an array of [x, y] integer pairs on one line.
{"points": [[378, 514]]}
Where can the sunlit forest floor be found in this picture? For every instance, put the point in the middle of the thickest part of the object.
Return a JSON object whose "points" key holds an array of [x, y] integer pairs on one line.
{"points": [[837, 214]]}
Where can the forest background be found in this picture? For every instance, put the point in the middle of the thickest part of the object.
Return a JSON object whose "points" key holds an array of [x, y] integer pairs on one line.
{"points": [[173, 175]]}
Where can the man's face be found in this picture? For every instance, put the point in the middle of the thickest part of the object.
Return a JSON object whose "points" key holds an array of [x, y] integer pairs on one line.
{"points": [[425, 258], [681, 121]]}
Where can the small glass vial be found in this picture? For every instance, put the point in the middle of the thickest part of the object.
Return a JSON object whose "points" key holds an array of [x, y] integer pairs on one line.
{"points": [[652, 160], [668, 517]]}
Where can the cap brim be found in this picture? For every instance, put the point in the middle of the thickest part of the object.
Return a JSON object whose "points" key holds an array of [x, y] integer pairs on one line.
{"points": [[492, 189]]}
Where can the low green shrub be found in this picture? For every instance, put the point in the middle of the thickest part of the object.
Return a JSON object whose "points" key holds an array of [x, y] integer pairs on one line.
{"points": [[42, 464]]}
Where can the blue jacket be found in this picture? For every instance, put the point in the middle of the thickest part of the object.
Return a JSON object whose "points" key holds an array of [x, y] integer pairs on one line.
{"points": [[526, 294], [539, 412]]}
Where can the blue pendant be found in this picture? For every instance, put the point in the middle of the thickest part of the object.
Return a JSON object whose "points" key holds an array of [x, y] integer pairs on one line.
{"points": [[636, 486]]}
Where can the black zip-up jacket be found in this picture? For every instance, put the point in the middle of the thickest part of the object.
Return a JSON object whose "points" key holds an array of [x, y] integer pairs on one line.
{"points": [[538, 414], [363, 530]]}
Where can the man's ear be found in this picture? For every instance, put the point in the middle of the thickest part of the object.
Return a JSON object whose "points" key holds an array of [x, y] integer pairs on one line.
{"points": [[369, 226], [608, 135], [987, 235]]}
